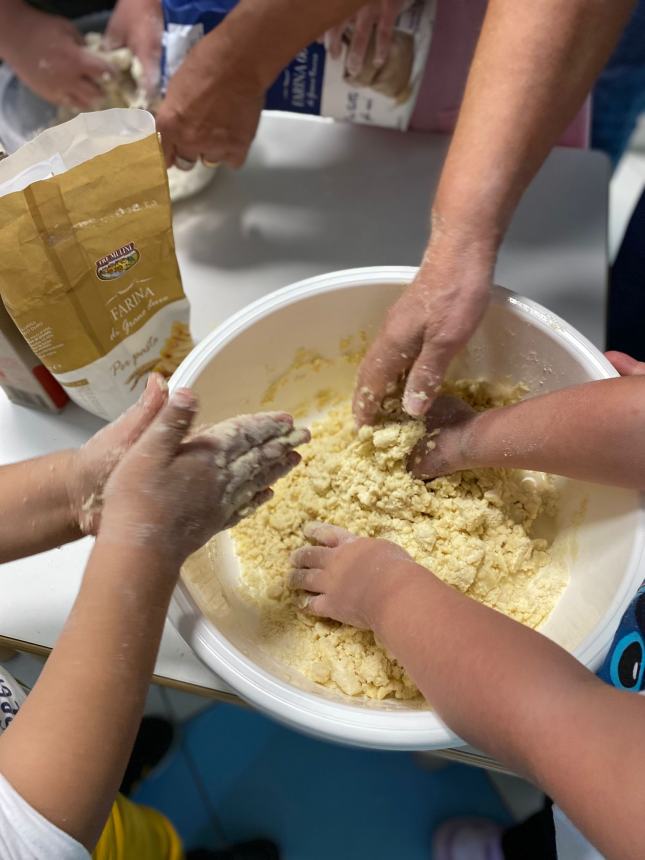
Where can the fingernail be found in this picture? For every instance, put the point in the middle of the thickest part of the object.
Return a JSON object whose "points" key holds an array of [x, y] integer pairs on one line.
{"points": [[147, 392], [415, 403], [155, 383], [379, 61], [310, 528], [353, 67], [184, 399]]}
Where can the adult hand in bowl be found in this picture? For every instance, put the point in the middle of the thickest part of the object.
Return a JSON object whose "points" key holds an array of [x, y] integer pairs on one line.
{"points": [[373, 20], [427, 326], [47, 53], [138, 25]]}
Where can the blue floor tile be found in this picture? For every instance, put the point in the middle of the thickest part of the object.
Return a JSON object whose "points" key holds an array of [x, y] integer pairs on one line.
{"points": [[317, 800], [174, 791]]}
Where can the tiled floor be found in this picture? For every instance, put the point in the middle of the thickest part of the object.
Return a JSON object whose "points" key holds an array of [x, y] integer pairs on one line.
{"points": [[238, 775]]}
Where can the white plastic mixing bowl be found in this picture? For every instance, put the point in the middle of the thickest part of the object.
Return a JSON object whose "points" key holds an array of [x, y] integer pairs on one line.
{"points": [[600, 529]]}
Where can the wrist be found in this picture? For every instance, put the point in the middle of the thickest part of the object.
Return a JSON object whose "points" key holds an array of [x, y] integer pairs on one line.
{"points": [[138, 572], [83, 495], [453, 236], [128, 527], [406, 580], [480, 442], [63, 471], [237, 44], [152, 558], [470, 445]]}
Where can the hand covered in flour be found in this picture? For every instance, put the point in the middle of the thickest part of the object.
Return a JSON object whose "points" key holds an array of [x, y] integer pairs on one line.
{"points": [[138, 25], [349, 578], [426, 327], [94, 462], [447, 446], [47, 53], [171, 493]]}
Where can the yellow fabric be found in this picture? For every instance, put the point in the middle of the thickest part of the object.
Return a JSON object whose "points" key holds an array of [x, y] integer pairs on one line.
{"points": [[135, 832]]}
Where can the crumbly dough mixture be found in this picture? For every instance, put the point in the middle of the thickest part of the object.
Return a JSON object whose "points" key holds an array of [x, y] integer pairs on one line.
{"points": [[473, 529]]}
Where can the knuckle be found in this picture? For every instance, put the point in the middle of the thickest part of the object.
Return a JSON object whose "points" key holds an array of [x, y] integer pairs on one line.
{"points": [[294, 579], [297, 558]]}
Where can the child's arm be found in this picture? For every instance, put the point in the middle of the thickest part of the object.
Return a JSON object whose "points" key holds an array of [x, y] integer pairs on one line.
{"points": [[67, 748], [506, 689], [593, 432], [57, 498]]}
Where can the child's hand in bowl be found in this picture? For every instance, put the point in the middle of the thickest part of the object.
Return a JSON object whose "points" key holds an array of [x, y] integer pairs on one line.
{"points": [[349, 578], [172, 495], [447, 446]]}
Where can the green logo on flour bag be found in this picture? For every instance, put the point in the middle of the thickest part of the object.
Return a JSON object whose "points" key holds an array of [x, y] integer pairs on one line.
{"points": [[117, 263]]}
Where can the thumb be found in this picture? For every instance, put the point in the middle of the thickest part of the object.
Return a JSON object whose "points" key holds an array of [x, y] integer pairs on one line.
{"points": [[113, 37], [165, 134], [164, 436], [424, 379], [328, 535]]}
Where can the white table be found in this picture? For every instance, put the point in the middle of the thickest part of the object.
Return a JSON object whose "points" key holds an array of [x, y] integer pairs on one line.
{"points": [[315, 196]]}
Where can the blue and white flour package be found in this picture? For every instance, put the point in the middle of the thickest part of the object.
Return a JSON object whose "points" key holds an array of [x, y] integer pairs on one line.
{"points": [[314, 82]]}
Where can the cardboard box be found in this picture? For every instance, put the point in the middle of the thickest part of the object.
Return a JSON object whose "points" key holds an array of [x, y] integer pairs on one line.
{"points": [[22, 376]]}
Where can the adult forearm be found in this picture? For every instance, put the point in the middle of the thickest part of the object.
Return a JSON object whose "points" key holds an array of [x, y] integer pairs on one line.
{"points": [[66, 766], [534, 65], [267, 34], [592, 432], [37, 512]]}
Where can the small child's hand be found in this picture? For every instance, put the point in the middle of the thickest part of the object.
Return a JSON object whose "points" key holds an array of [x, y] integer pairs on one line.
{"points": [[350, 578], [446, 447], [94, 462], [625, 364], [172, 495]]}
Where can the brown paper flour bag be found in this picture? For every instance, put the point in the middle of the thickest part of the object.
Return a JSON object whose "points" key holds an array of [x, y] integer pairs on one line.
{"points": [[87, 257]]}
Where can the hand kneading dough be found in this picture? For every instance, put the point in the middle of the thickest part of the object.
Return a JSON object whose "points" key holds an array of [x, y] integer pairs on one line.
{"points": [[472, 529]]}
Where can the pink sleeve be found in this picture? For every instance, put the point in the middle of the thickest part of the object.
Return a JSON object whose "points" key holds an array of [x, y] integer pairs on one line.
{"points": [[457, 26]]}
